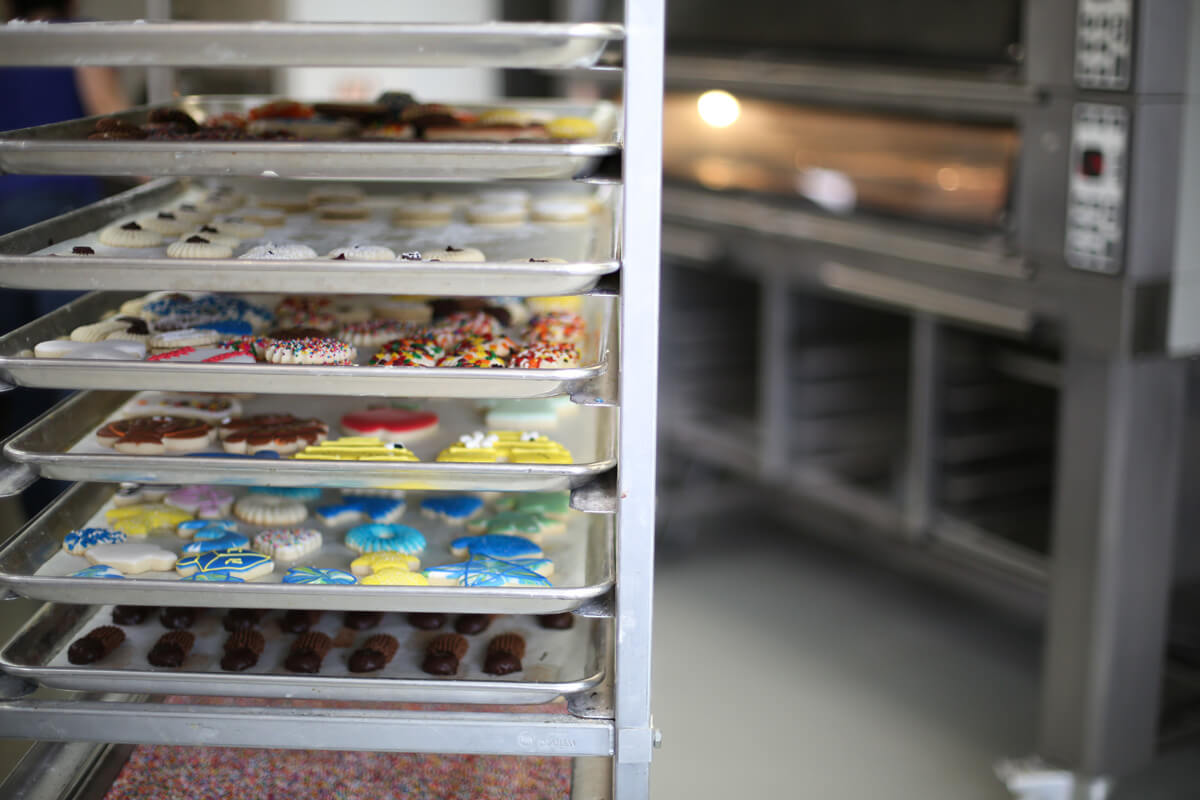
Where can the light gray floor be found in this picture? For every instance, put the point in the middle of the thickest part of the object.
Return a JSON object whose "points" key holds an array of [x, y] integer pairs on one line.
{"points": [[783, 669]]}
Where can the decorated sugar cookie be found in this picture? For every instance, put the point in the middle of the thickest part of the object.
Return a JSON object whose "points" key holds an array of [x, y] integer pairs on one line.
{"points": [[227, 541], [132, 558], [288, 544], [453, 508], [205, 529], [473, 448], [77, 542], [390, 424], [357, 448], [356, 509], [529, 524], [301, 493], [206, 502], [244, 564], [482, 571], [91, 351], [376, 536], [97, 571], [140, 520], [319, 576], [383, 559], [129, 494], [269, 509], [210, 408], [553, 505], [392, 576], [496, 545]]}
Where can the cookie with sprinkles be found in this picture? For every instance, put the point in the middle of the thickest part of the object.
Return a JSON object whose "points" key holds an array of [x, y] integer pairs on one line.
{"points": [[415, 352], [323, 351]]}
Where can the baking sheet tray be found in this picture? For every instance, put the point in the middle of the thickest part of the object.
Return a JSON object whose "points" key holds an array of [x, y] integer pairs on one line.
{"points": [[147, 43], [34, 564], [63, 148], [59, 444], [556, 662], [19, 366], [39, 257]]}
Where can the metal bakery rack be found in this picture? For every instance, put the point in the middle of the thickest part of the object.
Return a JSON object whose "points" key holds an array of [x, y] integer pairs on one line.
{"points": [[608, 696]]}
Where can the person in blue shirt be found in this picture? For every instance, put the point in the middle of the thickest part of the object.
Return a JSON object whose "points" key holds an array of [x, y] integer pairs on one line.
{"points": [[36, 96]]}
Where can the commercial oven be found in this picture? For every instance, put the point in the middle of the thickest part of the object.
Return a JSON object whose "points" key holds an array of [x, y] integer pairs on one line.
{"points": [[956, 238]]}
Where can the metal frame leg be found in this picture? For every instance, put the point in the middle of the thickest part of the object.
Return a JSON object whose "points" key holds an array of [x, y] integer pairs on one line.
{"points": [[1118, 476]]}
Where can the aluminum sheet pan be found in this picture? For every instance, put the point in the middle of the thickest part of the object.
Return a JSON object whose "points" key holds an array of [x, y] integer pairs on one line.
{"points": [[34, 564], [306, 44], [591, 381], [60, 445], [63, 148], [27, 261], [556, 662]]}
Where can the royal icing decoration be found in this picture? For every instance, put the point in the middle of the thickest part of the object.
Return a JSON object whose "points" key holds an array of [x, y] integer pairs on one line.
{"points": [[377, 536], [485, 572], [394, 577], [389, 424], [288, 544], [205, 529], [301, 493], [554, 505], [227, 541], [244, 564], [97, 571], [319, 576], [206, 502], [357, 448], [353, 509], [91, 351], [383, 559], [452, 507], [132, 557], [519, 447], [78, 541], [211, 355], [140, 520], [494, 545]]}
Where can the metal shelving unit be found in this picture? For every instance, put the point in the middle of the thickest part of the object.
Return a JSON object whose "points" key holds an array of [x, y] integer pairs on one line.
{"points": [[611, 720]]}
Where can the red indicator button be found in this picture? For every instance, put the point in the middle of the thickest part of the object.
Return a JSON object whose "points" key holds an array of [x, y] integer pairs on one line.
{"points": [[1092, 164]]}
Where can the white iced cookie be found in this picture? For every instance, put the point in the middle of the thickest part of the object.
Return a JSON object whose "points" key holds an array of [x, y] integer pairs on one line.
{"points": [[131, 234], [562, 210], [198, 247], [239, 227], [362, 252], [335, 194], [456, 254], [422, 214], [132, 558], [269, 509], [184, 337], [280, 252], [121, 328], [495, 214], [504, 197], [164, 222], [93, 351]]}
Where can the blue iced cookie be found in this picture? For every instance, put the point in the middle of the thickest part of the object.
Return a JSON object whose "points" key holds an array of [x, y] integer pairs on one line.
{"points": [[377, 537], [482, 571], [212, 577], [77, 542], [494, 545], [244, 564], [97, 571], [301, 493], [205, 529], [454, 508], [356, 507], [319, 576], [228, 541]]}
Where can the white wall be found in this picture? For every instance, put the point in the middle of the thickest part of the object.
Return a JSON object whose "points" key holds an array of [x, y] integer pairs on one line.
{"points": [[365, 84]]}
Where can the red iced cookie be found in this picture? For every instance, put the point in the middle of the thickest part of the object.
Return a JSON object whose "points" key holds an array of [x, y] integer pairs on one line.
{"points": [[390, 424]]}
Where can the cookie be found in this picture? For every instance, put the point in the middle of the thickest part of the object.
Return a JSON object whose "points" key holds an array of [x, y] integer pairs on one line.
{"points": [[357, 509], [178, 618], [555, 327], [468, 254], [196, 246], [208, 355], [171, 649], [357, 448], [500, 546], [383, 559], [228, 540], [455, 509], [287, 544], [155, 435], [184, 337], [402, 309], [91, 351], [280, 252], [314, 351], [537, 413], [319, 576], [191, 213], [390, 424], [362, 252], [164, 222], [280, 433], [529, 524], [210, 408], [571, 128], [124, 328], [552, 505], [546, 356], [422, 214], [484, 572], [95, 645], [495, 214], [374, 332], [239, 226], [129, 494], [393, 576], [267, 509], [143, 519], [131, 234], [302, 493], [473, 448], [425, 621], [361, 620], [343, 213], [205, 502], [503, 197], [307, 652], [131, 558], [471, 624], [374, 537], [375, 654], [415, 352], [443, 654], [335, 193], [97, 571], [561, 211], [214, 235], [131, 615], [263, 216], [205, 529], [242, 650], [78, 542], [243, 564], [504, 654]]}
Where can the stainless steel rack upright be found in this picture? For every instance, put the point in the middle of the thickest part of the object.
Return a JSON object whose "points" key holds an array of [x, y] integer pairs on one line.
{"points": [[612, 721]]}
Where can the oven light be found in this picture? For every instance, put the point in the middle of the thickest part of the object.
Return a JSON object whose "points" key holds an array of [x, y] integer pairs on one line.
{"points": [[718, 109]]}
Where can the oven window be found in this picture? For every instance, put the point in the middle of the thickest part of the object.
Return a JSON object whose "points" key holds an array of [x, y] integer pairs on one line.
{"points": [[845, 162]]}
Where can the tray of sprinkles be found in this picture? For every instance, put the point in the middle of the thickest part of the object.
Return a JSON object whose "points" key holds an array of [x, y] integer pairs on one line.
{"points": [[297, 344], [396, 138], [313, 654], [308, 548], [535, 445], [530, 239]]}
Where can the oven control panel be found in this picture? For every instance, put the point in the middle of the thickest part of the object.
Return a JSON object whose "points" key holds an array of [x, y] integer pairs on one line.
{"points": [[1104, 44], [1096, 187]]}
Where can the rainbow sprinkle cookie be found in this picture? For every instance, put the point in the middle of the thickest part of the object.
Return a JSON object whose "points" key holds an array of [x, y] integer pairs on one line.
{"points": [[482, 571], [357, 448], [354, 509], [77, 542], [318, 576], [547, 355], [288, 544], [227, 541], [243, 564], [141, 520], [377, 536], [327, 351], [413, 352], [395, 577], [383, 559]]}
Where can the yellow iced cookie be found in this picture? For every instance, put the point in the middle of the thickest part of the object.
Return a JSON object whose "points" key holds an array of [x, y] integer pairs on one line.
{"points": [[394, 576], [541, 305], [571, 128], [357, 448], [140, 520], [530, 447], [373, 562], [474, 448]]}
